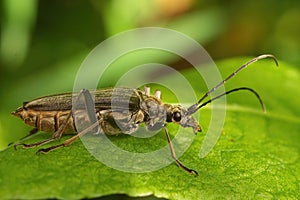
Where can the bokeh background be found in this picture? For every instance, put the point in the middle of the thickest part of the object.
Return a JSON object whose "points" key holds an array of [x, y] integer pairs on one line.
{"points": [[44, 42]]}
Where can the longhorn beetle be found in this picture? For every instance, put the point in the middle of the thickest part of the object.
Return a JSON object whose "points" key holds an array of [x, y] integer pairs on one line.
{"points": [[54, 113]]}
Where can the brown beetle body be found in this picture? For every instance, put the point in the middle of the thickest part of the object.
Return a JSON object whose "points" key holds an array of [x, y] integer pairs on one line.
{"points": [[118, 110], [114, 111]]}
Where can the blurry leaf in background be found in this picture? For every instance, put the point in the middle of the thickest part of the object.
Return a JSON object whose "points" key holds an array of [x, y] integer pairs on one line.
{"points": [[286, 37], [19, 19], [171, 8], [203, 26], [256, 27], [129, 14]]}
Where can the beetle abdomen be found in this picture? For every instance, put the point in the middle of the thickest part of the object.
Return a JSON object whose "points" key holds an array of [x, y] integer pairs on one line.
{"points": [[48, 121]]}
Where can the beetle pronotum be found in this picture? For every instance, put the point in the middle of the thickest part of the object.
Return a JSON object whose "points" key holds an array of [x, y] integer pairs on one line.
{"points": [[54, 113]]}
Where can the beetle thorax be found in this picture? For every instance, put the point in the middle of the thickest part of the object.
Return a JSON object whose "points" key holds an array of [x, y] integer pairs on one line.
{"points": [[155, 113]]}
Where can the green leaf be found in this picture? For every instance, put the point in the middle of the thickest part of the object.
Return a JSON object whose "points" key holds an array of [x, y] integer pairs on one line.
{"points": [[257, 155]]}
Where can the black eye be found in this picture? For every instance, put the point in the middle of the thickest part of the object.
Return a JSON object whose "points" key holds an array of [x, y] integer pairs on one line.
{"points": [[177, 116]]}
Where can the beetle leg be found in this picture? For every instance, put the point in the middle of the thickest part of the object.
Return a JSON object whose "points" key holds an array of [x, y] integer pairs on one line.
{"points": [[55, 135], [89, 106], [31, 132], [191, 171], [127, 127], [70, 140], [34, 144]]}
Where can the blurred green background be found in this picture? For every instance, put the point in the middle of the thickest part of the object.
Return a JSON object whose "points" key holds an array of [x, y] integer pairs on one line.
{"points": [[44, 42]]}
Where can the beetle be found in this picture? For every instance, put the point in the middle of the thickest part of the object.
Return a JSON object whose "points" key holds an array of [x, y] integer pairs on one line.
{"points": [[115, 111]]}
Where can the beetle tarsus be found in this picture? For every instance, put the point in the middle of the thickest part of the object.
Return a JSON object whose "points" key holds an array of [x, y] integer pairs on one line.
{"points": [[46, 150], [194, 172], [191, 171], [26, 146]]}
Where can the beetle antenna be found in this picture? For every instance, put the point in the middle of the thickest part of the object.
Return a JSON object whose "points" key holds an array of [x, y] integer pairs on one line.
{"points": [[192, 109], [235, 90]]}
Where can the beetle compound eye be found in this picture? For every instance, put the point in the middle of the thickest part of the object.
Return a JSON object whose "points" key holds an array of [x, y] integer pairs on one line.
{"points": [[169, 117], [177, 116]]}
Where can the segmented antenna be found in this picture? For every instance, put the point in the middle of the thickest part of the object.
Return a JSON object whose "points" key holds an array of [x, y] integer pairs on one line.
{"points": [[235, 90], [192, 109]]}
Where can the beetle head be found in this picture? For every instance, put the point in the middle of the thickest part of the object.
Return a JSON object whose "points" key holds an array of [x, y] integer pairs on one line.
{"points": [[181, 116]]}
